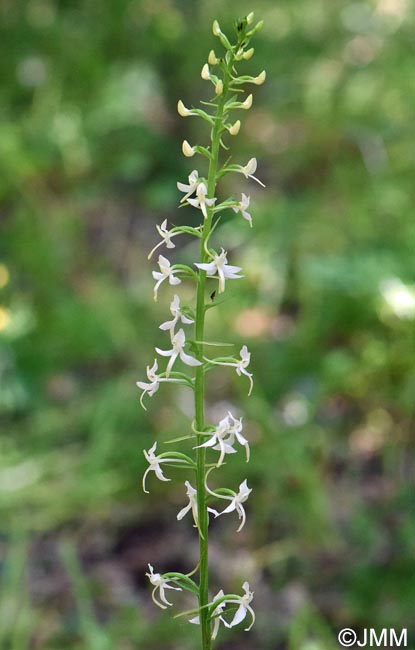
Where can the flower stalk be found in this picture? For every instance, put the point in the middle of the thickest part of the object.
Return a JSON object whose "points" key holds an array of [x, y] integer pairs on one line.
{"points": [[201, 194]]}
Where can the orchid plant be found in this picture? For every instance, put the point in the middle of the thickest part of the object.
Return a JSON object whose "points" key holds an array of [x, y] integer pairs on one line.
{"points": [[225, 437]]}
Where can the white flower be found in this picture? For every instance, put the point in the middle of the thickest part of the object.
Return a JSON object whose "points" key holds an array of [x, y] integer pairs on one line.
{"points": [[165, 272], [192, 505], [166, 237], [242, 208], [243, 609], [187, 150], [201, 201], [249, 170], [223, 438], [177, 314], [189, 189], [179, 341], [240, 366], [216, 615], [234, 430], [222, 269], [154, 462], [154, 384], [243, 364], [236, 504], [161, 584]]}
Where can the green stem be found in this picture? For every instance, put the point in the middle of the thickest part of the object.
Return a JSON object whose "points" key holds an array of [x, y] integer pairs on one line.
{"points": [[199, 378]]}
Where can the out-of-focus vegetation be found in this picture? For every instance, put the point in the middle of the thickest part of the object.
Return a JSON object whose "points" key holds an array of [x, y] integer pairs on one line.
{"points": [[89, 157]]}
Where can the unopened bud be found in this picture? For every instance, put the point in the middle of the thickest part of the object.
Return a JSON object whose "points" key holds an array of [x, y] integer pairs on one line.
{"points": [[212, 58], [250, 18], [234, 129], [256, 29], [182, 110], [219, 87], [205, 74], [247, 103], [248, 54], [187, 150], [260, 78], [215, 28]]}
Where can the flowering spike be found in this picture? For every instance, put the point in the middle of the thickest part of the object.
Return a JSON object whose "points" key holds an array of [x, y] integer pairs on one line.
{"points": [[212, 444]]}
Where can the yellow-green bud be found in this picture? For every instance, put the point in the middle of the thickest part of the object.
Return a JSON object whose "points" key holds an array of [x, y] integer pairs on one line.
{"points": [[260, 78], [234, 129], [247, 103], [212, 58], [205, 74], [219, 87], [187, 150], [182, 110], [250, 18], [248, 54], [256, 29], [215, 28]]}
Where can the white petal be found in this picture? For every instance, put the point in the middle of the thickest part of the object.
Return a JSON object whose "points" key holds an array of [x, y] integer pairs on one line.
{"points": [[228, 268], [240, 614], [195, 620], [194, 202], [183, 187], [231, 507], [164, 353], [188, 360], [169, 324], [184, 511], [209, 268]]}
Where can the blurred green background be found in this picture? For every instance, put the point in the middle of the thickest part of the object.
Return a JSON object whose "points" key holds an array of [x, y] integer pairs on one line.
{"points": [[89, 156]]}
